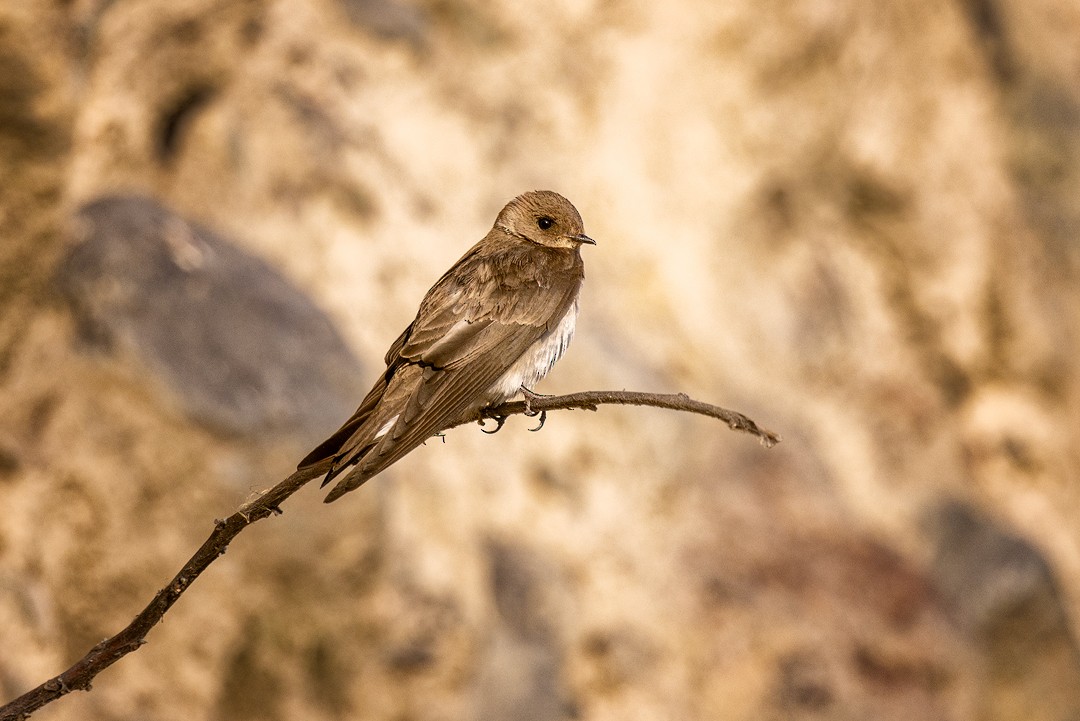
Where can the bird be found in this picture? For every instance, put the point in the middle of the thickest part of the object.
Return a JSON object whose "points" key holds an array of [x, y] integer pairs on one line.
{"points": [[491, 327]]}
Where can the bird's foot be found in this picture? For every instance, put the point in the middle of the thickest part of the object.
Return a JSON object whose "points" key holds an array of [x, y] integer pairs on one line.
{"points": [[529, 395], [500, 420]]}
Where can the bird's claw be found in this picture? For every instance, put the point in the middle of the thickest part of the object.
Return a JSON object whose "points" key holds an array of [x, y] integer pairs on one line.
{"points": [[543, 417], [500, 420]]}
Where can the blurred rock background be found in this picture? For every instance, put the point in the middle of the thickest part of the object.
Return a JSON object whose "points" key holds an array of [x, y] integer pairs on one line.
{"points": [[856, 222]]}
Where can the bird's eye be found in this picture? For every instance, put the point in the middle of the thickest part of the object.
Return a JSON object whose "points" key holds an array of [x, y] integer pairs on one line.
{"points": [[543, 223]]}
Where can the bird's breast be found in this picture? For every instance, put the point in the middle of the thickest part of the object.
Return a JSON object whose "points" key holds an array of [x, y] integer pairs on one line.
{"points": [[537, 361]]}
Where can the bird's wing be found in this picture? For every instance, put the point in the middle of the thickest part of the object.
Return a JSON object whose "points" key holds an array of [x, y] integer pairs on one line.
{"points": [[433, 400], [395, 348]]}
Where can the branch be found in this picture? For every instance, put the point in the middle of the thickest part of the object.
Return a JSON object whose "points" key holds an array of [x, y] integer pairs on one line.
{"points": [[111, 650], [589, 400]]}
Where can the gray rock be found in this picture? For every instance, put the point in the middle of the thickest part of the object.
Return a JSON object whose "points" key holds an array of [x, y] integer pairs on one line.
{"points": [[243, 349], [1004, 592]]}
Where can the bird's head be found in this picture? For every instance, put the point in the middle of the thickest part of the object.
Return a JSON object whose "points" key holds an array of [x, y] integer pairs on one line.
{"points": [[545, 218]]}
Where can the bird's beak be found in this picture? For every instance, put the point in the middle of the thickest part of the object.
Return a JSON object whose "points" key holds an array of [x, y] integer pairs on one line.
{"points": [[582, 238]]}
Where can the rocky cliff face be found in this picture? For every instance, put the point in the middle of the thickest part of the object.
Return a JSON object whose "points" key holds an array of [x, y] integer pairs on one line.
{"points": [[856, 222]]}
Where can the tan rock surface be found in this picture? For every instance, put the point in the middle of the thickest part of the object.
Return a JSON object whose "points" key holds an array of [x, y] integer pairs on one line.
{"points": [[856, 222]]}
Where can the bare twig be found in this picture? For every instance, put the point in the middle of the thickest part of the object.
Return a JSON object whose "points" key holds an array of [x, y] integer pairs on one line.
{"points": [[111, 650], [589, 400]]}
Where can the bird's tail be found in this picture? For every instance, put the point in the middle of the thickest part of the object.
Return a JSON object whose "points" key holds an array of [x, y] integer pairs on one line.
{"points": [[336, 445], [354, 480], [332, 445]]}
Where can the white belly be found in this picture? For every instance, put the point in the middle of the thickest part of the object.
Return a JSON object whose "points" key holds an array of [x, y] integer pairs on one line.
{"points": [[537, 361]]}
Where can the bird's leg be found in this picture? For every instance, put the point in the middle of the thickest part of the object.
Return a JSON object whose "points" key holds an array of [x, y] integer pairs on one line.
{"points": [[529, 395]]}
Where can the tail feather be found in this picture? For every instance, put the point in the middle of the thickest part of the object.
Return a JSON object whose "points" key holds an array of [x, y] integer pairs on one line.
{"points": [[354, 480], [374, 427], [342, 462], [334, 446], [373, 460]]}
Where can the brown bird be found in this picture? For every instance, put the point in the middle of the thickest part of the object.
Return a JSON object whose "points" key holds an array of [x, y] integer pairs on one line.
{"points": [[491, 327]]}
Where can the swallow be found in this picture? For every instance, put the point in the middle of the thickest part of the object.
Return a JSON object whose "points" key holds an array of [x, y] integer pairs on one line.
{"points": [[490, 328]]}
